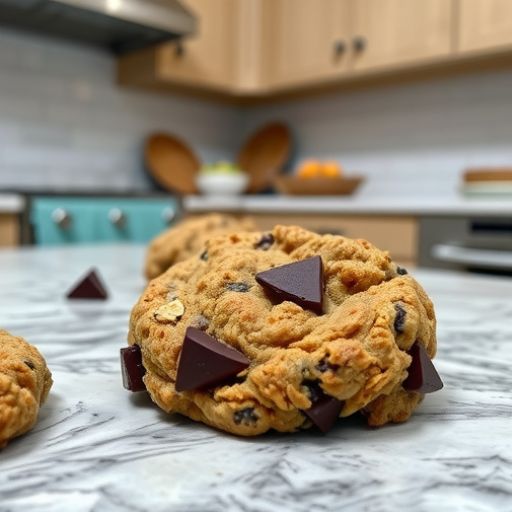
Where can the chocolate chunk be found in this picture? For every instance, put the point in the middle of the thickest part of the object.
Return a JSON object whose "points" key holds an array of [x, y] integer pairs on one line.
{"points": [[324, 365], [132, 368], [401, 271], [265, 242], [238, 287], [30, 364], [300, 282], [314, 390], [204, 256], [399, 319], [89, 287], [205, 362], [423, 377], [246, 416], [325, 409]]}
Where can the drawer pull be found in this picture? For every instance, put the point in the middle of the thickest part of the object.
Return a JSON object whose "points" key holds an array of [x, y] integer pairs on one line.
{"points": [[359, 44], [117, 217], [62, 218], [168, 214], [340, 47]]}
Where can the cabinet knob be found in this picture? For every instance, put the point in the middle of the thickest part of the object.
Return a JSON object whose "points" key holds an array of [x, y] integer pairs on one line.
{"points": [[117, 217], [62, 218], [168, 214], [359, 44], [179, 49], [340, 47]]}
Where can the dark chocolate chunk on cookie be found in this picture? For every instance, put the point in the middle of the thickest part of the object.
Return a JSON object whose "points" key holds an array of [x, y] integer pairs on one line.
{"points": [[325, 409], [398, 324], [132, 368], [205, 362], [246, 416], [265, 242], [301, 282], [423, 377]]}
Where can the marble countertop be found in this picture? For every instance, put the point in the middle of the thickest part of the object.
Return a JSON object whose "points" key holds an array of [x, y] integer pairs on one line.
{"points": [[11, 203], [358, 204], [100, 448]]}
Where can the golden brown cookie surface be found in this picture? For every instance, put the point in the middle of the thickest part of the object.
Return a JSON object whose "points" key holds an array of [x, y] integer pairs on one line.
{"points": [[356, 351], [187, 238], [24, 385]]}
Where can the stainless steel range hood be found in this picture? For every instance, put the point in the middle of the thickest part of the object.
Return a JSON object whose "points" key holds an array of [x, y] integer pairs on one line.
{"points": [[119, 25]]}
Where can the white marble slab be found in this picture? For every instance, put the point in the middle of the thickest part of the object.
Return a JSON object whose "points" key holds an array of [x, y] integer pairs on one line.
{"points": [[361, 204], [100, 448]]}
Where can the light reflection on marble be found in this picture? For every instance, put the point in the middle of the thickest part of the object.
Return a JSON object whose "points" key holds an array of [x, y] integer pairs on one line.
{"points": [[99, 448]]}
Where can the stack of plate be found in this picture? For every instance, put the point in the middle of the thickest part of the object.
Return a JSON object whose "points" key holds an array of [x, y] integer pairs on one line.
{"points": [[488, 181]]}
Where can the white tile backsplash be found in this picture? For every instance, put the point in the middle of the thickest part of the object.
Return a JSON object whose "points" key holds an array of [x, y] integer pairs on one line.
{"points": [[409, 139], [64, 123]]}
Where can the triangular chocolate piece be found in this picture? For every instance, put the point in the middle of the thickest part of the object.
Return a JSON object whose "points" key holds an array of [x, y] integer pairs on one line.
{"points": [[132, 368], [301, 282], [89, 287], [205, 362], [423, 377], [324, 412]]}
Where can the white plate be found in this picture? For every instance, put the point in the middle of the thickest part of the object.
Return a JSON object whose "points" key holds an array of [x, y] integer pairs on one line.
{"points": [[494, 188]]}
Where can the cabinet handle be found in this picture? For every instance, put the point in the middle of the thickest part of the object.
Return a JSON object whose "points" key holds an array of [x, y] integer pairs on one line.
{"points": [[359, 44], [168, 214], [179, 49], [117, 217], [340, 47], [62, 218]]}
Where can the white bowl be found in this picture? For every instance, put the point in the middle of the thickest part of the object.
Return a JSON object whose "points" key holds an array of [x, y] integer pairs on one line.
{"points": [[219, 184]]}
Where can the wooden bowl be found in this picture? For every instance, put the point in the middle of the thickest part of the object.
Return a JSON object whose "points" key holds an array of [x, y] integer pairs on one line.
{"points": [[264, 155], [171, 163], [294, 186]]}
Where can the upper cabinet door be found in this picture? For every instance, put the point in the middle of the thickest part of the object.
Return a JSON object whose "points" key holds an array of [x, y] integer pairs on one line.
{"points": [[307, 40], [208, 56], [484, 24], [388, 32]]}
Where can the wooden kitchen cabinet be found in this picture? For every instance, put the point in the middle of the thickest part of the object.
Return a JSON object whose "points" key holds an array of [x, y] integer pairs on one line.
{"points": [[9, 230], [224, 55], [484, 24], [309, 39], [208, 56], [389, 32], [259, 48]]}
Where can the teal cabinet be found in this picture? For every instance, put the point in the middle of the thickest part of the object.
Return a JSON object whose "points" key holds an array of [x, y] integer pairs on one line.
{"points": [[75, 220]]}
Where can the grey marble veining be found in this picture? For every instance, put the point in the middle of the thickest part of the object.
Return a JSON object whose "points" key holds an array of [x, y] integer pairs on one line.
{"points": [[100, 448]]}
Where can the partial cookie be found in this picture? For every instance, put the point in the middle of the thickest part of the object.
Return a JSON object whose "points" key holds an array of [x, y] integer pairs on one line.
{"points": [[309, 358], [187, 238], [24, 385]]}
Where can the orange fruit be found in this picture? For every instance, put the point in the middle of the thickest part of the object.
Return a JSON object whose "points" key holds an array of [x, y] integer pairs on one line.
{"points": [[331, 169], [309, 169]]}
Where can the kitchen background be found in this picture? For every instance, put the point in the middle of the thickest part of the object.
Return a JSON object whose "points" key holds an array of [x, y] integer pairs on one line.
{"points": [[67, 125]]}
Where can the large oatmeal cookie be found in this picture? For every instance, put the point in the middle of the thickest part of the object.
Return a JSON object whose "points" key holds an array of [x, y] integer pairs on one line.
{"points": [[187, 238], [356, 351], [24, 385]]}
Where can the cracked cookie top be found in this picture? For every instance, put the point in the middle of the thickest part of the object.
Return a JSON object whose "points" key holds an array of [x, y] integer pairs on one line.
{"points": [[352, 355]]}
